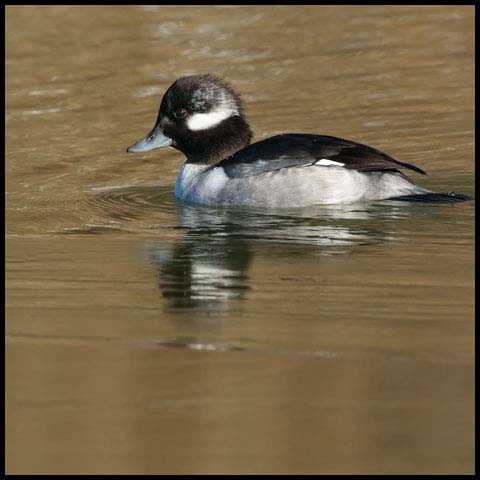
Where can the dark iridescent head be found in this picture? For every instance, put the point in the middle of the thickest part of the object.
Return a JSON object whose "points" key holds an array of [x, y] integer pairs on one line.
{"points": [[202, 116]]}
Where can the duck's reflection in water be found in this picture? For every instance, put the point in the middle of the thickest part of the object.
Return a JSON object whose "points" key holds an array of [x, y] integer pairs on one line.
{"points": [[208, 268], [192, 273]]}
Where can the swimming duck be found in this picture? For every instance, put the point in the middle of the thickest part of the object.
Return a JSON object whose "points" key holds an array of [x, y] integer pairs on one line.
{"points": [[203, 117]]}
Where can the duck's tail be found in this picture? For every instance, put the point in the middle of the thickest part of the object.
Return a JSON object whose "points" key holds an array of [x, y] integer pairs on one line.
{"points": [[434, 197]]}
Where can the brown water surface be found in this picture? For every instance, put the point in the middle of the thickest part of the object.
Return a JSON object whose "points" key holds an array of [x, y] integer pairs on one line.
{"points": [[148, 336]]}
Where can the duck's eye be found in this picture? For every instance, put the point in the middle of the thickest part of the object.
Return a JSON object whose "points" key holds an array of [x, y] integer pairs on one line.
{"points": [[179, 113]]}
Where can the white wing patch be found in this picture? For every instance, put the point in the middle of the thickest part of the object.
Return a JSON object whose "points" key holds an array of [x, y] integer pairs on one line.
{"points": [[327, 163], [202, 121]]}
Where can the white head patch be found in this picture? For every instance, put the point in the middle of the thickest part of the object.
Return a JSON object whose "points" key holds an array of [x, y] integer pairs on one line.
{"points": [[202, 121], [226, 107]]}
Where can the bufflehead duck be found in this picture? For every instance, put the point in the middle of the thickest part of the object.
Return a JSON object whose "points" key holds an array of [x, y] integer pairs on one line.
{"points": [[202, 116]]}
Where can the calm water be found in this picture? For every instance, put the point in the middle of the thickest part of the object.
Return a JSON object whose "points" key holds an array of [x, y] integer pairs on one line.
{"points": [[148, 336]]}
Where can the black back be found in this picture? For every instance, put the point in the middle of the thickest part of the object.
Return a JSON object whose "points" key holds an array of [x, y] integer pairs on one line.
{"points": [[298, 150]]}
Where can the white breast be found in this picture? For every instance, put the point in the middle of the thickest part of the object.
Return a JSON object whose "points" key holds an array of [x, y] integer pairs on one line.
{"points": [[200, 183]]}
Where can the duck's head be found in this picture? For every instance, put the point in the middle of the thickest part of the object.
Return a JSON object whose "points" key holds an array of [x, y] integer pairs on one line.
{"points": [[202, 116]]}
